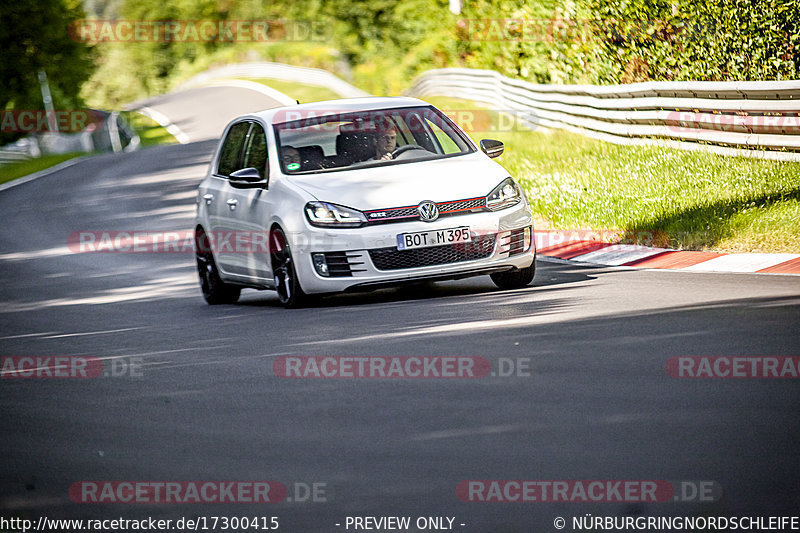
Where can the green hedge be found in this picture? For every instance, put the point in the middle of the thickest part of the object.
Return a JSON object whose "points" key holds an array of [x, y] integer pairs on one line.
{"points": [[616, 41], [714, 40]]}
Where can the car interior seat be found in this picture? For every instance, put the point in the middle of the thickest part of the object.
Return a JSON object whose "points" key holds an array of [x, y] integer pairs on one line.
{"points": [[311, 157], [352, 147]]}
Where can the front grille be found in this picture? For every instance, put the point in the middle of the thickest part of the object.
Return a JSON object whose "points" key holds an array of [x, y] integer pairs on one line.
{"points": [[393, 259], [341, 264], [461, 205], [403, 214], [391, 215]]}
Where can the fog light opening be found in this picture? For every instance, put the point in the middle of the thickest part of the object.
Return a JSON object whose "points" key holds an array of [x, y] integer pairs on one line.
{"points": [[320, 264], [527, 239]]}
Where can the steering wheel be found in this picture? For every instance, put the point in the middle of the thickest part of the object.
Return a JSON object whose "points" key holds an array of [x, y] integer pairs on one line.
{"points": [[405, 148]]}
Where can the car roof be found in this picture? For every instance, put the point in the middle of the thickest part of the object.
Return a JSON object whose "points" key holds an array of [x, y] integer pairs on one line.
{"points": [[279, 115]]}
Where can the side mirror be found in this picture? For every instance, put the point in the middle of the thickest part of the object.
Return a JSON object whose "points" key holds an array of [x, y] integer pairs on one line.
{"points": [[247, 178], [491, 147]]}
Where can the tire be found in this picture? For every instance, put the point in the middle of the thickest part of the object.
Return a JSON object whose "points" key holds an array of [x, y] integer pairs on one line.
{"points": [[516, 279], [287, 285], [215, 291]]}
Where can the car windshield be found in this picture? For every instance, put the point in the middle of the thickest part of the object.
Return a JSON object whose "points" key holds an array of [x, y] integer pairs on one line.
{"points": [[310, 143]]}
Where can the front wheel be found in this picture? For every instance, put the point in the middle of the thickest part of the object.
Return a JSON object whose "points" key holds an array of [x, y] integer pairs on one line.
{"points": [[290, 293], [215, 291], [516, 279]]}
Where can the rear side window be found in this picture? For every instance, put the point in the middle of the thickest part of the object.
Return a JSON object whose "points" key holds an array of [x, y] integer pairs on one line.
{"points": [[256, 153], [230, 159]]}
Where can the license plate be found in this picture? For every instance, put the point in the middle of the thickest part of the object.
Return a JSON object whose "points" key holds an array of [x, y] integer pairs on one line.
{"points": [[424, 239]]}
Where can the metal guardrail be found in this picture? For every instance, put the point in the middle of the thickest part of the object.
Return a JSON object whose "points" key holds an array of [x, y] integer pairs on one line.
{"points": [[11, 156], [113, 135], [279, 71], [751, 119]]}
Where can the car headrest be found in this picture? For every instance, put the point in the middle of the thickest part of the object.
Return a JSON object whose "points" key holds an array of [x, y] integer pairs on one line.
{"points": [[311, 157], [354, 146]]}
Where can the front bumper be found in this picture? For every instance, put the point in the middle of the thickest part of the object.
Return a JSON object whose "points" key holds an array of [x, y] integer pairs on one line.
{"points": [[381, 268]]}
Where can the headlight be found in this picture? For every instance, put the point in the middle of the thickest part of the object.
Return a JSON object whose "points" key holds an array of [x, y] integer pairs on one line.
{"points": [[504, 195], [327, 215]]}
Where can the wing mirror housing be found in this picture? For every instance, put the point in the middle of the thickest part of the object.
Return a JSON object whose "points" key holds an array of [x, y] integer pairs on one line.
{"points": [[247, 178], [492, 148]]}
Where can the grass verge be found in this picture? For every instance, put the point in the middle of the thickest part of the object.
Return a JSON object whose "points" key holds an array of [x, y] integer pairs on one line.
{"points": [[19, 169], [150, 132], [648, 195]]}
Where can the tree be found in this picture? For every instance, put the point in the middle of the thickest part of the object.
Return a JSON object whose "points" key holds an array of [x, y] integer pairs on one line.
{"points": [[34, 35]]}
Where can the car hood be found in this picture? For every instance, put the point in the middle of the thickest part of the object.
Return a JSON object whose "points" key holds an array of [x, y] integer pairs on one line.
{"points": [[442, 180]]}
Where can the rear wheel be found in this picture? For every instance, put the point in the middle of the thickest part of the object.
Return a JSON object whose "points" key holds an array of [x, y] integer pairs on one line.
{"points": [[215, 291], [290, 293], [516, 279]]}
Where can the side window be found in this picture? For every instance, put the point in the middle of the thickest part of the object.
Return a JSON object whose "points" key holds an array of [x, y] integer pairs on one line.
{"points": [[256, 153], [447, 144], [230, 158]]}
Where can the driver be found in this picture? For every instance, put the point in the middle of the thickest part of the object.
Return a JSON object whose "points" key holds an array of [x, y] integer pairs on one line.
{"points": [[291, 158], [384, 141]]}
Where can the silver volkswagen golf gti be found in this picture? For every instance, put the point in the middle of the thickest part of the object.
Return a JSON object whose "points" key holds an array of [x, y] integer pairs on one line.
{"points": [[353, 195]]}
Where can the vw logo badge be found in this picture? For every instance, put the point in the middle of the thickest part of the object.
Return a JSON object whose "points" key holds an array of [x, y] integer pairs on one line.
{"points": [[428, 211]]}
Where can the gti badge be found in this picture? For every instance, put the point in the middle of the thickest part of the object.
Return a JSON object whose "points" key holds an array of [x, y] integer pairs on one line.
{"points": [[428, 211]]}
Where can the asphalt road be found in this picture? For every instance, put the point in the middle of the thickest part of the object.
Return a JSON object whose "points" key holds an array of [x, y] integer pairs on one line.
{"points": [[201, 113], [205, 404]]}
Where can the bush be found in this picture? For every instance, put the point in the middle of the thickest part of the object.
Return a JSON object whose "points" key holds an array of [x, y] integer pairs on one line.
{"points": [[712, 40]]}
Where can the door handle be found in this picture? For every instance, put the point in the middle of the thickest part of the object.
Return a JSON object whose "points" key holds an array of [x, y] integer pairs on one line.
{"points": [[232, 203], [208, 198]]}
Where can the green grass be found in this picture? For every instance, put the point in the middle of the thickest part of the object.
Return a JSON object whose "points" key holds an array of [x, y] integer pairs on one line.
{"points": [[299, 91], [150, 132], [649, 195], [19, 169]]}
